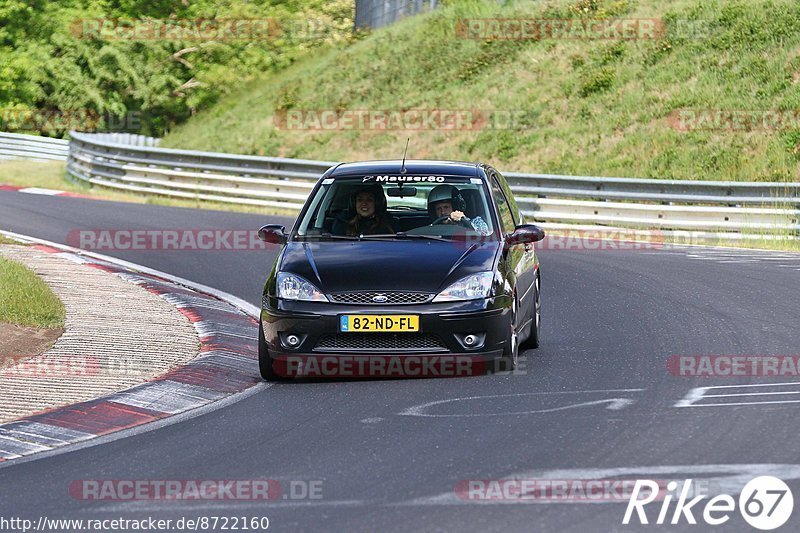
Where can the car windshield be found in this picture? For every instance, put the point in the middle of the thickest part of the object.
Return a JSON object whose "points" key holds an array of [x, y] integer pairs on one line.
{"points": [[442, 207]]}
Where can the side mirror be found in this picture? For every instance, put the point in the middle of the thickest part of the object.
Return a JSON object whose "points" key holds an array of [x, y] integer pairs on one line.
{"points": [[272, 234], [525, 233]]}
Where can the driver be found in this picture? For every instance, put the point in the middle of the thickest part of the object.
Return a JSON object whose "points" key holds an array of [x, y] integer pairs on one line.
{"points": [[369, 205], [446, 201]]}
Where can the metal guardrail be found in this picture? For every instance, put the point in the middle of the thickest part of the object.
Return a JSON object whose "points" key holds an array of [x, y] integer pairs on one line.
{"points": [[705, 208], [726, 208], [19, 146], [240, 179]]}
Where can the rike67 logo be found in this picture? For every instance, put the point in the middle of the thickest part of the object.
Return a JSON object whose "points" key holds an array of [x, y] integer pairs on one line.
{"points": [[765, 503]]}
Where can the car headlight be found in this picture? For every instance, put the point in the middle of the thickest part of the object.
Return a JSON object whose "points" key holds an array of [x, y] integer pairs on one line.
{"points": [[293, 287], [472, 287]]}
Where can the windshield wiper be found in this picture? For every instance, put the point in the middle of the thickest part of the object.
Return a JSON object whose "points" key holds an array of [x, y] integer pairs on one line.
{"points": [[420, 236], [401, 235], [358, 237], [325, 236], [376, 236]]}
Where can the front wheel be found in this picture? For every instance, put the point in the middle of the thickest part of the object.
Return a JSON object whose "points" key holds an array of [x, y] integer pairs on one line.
{"points": [[508, 361], [536, 320], [265, 362]]}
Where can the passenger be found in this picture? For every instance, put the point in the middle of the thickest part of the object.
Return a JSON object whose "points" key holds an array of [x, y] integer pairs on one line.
{"points": [[371, 217], [446, 201]]}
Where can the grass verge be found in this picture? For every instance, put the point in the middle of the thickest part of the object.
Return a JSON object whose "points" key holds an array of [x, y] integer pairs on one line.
{"points": [[26, 300]]}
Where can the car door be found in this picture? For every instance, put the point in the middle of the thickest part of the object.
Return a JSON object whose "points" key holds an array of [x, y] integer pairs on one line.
{"points": [[521, 258]]}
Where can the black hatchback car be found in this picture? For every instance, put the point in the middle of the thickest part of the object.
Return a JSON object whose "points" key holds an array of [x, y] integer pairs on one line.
{"points": [[415, 268]]}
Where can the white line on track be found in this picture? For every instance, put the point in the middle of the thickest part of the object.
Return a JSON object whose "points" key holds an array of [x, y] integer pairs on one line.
{"points": [[699, 393], [38, 190], [614, 404]]}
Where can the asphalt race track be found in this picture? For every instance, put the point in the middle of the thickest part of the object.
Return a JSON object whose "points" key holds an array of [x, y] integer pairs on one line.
{"points": [[596, 400]]}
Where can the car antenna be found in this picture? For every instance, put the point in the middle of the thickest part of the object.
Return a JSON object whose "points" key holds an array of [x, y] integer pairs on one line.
{"points": [[403, 166]]}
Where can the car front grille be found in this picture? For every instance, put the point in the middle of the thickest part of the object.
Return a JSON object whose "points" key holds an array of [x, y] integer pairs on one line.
{"points": [[357, 342], [392, 298]]}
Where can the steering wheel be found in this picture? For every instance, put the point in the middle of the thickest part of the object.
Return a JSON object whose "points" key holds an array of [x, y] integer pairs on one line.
{"points": [[440, 220]]}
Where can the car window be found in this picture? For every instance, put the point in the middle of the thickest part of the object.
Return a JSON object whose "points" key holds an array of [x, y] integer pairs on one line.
{"points": [[512, 202], [506, 218], [332, 206]]}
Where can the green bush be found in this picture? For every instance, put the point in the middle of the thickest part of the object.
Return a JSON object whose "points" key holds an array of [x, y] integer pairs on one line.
{"points": [[52, 59], [597, 81]]}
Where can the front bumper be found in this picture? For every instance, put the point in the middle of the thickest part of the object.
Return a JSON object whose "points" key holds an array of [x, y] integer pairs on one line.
{"points": [[439, 348]]}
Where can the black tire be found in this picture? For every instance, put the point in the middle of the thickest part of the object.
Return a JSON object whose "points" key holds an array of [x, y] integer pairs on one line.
{"points": [[532, 342], [508, 361], [265, 362]]}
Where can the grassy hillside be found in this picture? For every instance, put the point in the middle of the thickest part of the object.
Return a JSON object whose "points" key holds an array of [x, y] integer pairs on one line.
{"points": [[602, 107]]}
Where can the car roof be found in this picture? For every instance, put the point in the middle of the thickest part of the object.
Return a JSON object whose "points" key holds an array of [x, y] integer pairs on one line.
{"points": [[412, 166]]}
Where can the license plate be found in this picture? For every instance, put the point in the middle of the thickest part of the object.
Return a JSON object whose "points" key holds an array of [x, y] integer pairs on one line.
{"points": [[378, 323]]}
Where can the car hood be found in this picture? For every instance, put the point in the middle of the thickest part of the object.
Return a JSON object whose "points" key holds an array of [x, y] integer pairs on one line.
{"points": [[393, 265]]}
